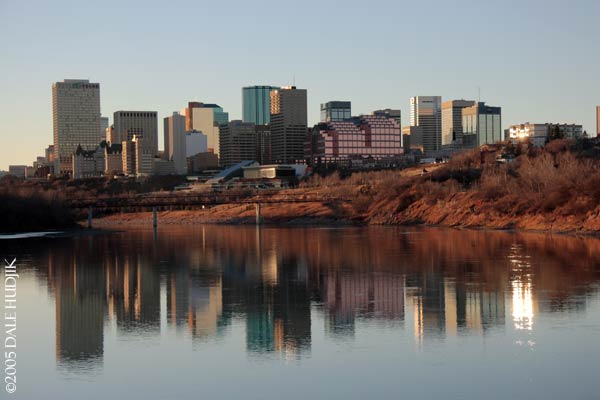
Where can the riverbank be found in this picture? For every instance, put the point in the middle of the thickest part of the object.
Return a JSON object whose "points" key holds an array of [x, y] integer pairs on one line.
{"points": [[555, 189], [445, 215], [301, 214]]}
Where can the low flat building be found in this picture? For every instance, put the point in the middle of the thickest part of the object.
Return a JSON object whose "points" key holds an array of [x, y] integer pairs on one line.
{"points": [[163, 167], [274, 171], [17, 170], [540, 134], [202, 162]]}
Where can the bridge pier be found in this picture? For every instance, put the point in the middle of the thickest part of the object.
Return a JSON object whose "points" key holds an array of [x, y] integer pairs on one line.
{"points": [[258, 213], [154, 218], [90, 215]]}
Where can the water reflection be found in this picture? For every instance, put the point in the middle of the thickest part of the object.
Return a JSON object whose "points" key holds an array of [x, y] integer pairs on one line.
{"points": [[443, 283]]}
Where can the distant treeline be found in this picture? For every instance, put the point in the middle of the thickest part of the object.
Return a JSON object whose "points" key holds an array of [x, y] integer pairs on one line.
{"points": [[35, 205], [29, 214]]}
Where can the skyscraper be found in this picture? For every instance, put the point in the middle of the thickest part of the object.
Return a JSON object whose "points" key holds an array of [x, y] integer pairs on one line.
{"points": [[175, 142], [452, 130], [205, 118], [333, 111], [426, 112], [481, 125], [143, 124], [288, 124], [76, 119], [256, 104]]}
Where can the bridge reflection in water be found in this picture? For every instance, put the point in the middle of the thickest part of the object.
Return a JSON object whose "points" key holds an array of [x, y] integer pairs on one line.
{"points": [[433, 283]]}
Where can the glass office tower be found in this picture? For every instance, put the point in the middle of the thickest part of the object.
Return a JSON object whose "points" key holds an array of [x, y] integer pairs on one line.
{"points": [[256, 104], [481, 124], [335, 111]]}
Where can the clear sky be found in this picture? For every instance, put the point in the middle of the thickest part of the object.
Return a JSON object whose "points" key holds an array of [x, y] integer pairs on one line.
{"points": [[537, 59]]}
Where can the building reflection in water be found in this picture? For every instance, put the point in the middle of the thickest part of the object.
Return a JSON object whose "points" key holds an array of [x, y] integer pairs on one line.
{"points": [[79, 299], [280, 281], [522, 295]]}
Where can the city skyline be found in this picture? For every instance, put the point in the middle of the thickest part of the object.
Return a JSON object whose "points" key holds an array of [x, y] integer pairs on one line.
{"points": [[532, 71]]}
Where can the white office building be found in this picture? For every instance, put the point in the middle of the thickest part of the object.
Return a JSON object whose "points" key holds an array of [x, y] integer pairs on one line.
{"points": [[175, 142], [76, 120], [426, 112]]}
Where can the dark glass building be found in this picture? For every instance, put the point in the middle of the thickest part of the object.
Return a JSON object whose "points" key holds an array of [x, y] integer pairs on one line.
{"points": [[333, 111], [256, 104]]}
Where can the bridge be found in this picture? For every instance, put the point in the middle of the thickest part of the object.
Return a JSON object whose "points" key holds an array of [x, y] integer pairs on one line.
{"points": [[171, 201]]}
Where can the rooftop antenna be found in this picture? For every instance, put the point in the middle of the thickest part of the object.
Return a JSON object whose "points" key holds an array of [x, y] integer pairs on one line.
{"points": [[478, 94]]}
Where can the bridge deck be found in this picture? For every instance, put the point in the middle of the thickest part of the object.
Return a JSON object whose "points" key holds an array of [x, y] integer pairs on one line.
{"points": [[145, 201]]}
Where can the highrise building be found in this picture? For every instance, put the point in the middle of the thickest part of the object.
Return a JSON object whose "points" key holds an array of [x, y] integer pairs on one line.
{"points": [[144, 155], [50, 155], [113, 159], [76, 120], [426, 112], [335, 111], [128, 124], [389, 113], [195, 142], [481, 125], [103, 127], [128, 157], [205, 118], [263, 144], [238, 142], [598, 121], [288, 124], [256, 104], [110, 135], [452, 120], [175, 142], [412, 139]]}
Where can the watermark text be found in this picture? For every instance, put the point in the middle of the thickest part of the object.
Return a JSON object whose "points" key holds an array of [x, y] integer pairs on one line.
{"points": [[10, 325]]}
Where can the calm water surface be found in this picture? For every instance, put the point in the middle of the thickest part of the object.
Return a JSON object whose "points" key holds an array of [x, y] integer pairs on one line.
{"points": [[354, 313]]}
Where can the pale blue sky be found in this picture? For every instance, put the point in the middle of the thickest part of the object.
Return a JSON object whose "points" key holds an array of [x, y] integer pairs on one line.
{"points": [[537, 59]]}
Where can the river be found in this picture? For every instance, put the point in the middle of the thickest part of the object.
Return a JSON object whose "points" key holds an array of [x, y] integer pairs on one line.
{"points": [[226, 312]]}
